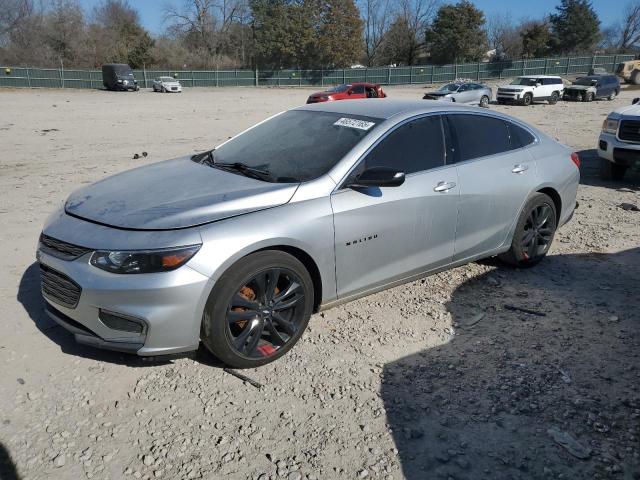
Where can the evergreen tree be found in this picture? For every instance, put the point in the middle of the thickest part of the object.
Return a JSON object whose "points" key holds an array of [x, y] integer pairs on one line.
{"points": [[535, 39], [575, 27], [457, 34]]}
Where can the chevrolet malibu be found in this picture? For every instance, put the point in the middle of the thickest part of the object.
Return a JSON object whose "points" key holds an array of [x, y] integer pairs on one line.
{"points": [[236, 247]]}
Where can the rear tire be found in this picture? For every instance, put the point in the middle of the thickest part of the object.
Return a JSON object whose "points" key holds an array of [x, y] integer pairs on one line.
{"points": [[635, 77], [611, 171], [534, 232], [250, 297], [554, 98], [527, 99]]}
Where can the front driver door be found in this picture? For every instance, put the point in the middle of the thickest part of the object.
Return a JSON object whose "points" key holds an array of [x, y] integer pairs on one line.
{"points": [[388, 233]]}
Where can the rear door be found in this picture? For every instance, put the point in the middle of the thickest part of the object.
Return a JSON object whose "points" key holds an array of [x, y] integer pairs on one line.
{"points": [[495, 173], [384, 234]]}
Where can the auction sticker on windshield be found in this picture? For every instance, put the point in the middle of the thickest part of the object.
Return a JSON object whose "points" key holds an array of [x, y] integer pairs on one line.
{"points": [[354, 123]]}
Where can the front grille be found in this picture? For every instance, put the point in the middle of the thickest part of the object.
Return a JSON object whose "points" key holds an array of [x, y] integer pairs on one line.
{"points": [[59, 288], [625, 156], [60, 249], [629, 130]]}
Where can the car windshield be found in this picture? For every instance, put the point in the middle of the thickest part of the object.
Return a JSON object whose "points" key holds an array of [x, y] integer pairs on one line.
{"points": [[586, 81], [527, 82], [339, 89], [449, 87], [167, 79], [298, 145]]}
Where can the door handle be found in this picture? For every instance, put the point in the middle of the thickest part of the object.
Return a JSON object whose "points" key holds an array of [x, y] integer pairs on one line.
{"points": [[444, 186], [519, 168]]}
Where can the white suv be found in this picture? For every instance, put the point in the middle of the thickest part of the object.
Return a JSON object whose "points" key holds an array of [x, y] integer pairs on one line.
{"points": [[619, 143], [528, 89]]}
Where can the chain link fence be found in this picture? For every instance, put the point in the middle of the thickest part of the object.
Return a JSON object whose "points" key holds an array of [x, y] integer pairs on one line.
{"points": [[63, 78]]}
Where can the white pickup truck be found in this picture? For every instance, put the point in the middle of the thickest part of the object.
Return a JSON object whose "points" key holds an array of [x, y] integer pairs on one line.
{"points": [[619, 143], [532, 88]]}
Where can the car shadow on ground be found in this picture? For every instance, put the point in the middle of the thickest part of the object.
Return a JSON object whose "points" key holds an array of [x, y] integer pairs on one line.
{"points": [[488, 404], [590, 173], [8, 470]]}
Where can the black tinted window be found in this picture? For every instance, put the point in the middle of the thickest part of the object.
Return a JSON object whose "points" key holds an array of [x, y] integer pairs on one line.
{"points": [[479, 136], [519, 136], [358, 89], [413, 147]]}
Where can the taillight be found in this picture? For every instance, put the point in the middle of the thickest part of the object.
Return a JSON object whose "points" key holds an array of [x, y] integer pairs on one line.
{"points": [[575, 159]]}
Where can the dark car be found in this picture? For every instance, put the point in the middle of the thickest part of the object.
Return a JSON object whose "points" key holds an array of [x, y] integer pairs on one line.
{"points": [[587, 89], [119, 76], [348, 91]]}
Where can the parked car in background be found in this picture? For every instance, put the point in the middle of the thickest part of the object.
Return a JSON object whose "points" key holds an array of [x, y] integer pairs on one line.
{"points": [[119, 76], [629, 71], [619, 142], [592, 87], [468, 93], [532, 88], [166, 84], [316, 206], [348, 91]]}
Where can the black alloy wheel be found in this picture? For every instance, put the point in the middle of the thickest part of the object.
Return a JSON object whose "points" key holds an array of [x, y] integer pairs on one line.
{"points": [[258, 309], [538, 232], [534, 232], [265, 313]]}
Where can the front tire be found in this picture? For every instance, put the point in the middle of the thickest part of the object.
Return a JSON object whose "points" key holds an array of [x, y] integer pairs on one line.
{"points": [[613, 95], [611, 171], [484, 101], [258, 309], [534, 232]]}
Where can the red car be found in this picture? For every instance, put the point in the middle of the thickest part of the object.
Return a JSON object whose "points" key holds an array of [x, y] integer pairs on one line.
{"points": [[348, 91]]}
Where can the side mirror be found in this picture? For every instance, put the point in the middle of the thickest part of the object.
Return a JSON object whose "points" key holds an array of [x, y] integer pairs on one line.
{"points": [[379, 177], [538, 84], [349, 92], [635, 101]]}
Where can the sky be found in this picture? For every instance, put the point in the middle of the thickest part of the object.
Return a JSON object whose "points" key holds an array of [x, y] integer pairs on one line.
{"points": [[609, 11]]}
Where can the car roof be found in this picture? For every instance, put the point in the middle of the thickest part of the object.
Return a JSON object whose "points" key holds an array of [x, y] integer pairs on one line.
{"points": [[383, 107], [539, 76]]}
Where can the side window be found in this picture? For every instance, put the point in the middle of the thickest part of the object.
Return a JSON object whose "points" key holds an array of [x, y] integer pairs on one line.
{"points": [[358, 89], [519, 136], [480, 135], [413, 147]]}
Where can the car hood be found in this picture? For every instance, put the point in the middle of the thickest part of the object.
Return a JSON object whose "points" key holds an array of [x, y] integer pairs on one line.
{"points": [[174, 194], [628, 110], [439, 94], [579, 87]]}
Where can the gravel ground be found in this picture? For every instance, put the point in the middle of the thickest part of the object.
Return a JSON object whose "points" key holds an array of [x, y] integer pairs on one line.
{"points": [[440, 378]]}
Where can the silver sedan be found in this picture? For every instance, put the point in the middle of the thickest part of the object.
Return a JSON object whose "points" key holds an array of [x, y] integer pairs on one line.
{"points": [[467, 93], [236, 247]]}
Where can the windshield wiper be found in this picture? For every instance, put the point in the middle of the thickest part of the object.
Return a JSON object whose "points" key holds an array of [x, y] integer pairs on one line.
{"points": [[206, 158], [245, 170]]}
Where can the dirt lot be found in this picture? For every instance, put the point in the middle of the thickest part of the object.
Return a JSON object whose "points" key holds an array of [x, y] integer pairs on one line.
{"points": [[435, 379]]}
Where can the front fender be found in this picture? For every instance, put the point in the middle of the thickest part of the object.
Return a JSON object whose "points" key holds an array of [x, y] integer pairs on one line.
{"points": [[306, 225]]}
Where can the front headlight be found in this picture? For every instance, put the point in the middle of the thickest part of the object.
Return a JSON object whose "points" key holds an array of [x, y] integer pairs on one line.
{"points": [[610, 126], [143, 261]]}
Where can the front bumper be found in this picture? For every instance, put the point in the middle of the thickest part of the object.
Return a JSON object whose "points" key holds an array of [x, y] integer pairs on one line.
{"points": [[167, 306], [571, 94], [509, 97], [618, 152]]}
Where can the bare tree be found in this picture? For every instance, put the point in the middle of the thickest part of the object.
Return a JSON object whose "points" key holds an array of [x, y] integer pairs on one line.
{"points": [[504, 36], [377, 16], [12, 13], [630, 31]]}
